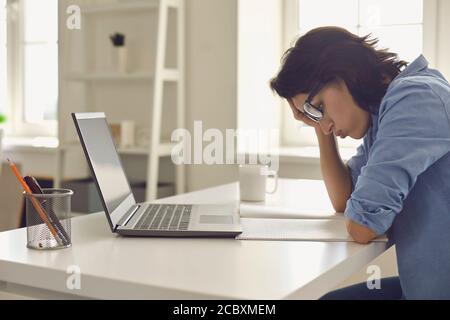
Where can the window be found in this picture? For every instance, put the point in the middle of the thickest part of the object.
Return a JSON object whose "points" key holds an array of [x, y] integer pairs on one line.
{"points": [[3, 63], [30, 56], [397, 24]]}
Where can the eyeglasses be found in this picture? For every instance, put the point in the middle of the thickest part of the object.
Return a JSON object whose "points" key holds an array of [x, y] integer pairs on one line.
{"points": [[311, 111]]}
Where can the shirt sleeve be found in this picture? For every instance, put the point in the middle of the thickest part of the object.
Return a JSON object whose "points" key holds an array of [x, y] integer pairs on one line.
{"points": [[413, 133]]}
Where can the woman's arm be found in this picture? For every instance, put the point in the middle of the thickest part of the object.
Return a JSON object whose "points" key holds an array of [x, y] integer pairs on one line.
{"points": [[334, 172], [360, 233], [338, 182]]}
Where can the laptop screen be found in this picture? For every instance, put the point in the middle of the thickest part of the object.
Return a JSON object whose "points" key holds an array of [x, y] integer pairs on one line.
{"points": [[105, 162]]}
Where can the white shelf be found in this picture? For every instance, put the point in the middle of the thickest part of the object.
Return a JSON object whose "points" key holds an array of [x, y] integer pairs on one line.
{"points": [[167, 75], [42, 144], [110, 76], [133, 151], [165, 149], [120, 7], [171, 75]]}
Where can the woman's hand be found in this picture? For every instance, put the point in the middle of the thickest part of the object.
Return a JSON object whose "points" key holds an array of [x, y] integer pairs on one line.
{"points": [[300, 116]]}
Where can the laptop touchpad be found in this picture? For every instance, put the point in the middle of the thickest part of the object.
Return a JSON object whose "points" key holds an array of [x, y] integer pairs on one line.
{"points": [[216, 219]]}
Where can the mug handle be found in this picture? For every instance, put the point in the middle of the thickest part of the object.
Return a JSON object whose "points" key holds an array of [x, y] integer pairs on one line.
{"points": [[273, 174]]}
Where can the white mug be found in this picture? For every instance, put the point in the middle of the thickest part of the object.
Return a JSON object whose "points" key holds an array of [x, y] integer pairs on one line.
{"points": [[126, 134], [252, 182]]}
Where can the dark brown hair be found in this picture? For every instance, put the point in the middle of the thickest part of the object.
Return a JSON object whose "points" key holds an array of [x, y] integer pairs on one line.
{"points": [[329, 54]]}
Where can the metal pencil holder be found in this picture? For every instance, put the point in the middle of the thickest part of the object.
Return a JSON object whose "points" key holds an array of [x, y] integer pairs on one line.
{"points": [[48, 219]]}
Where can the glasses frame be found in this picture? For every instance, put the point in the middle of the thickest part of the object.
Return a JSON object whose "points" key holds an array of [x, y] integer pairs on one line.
{"points": [[313, 112]]}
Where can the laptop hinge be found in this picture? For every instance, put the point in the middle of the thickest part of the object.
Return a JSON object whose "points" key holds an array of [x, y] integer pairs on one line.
{"points": [[128, 216]]}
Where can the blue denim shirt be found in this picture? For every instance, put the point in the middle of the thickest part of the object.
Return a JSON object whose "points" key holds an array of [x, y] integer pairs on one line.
{"points": [[401, 179]]}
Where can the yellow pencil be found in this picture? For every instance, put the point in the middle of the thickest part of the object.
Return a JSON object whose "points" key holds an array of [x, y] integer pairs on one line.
{"points": [[36, 204]]}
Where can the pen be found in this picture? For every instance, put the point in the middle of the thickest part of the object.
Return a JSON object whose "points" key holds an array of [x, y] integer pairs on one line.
{"points": [[36, 189], [36, 204]]}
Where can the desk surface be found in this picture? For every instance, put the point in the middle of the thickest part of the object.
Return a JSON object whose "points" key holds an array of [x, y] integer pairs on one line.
{"points": [[154, 268]]}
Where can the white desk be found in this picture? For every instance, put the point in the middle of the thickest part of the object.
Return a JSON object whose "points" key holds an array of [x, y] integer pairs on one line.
{"points": [[155, 268]]}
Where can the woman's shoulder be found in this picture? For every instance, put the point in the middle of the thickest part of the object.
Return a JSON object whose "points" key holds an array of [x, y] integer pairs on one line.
{"points": [[424, 94], [420, 82]]}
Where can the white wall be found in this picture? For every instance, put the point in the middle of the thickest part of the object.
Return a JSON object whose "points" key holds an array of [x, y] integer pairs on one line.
{"points": [[259, 52], [211, 78], [233, 49]]}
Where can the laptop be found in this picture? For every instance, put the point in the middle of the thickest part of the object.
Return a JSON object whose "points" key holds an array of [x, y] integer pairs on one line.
{"points": [[128, 218]]}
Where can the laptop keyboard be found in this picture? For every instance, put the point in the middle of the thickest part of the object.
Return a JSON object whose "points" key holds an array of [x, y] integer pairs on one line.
{"points": [[165, 217]]}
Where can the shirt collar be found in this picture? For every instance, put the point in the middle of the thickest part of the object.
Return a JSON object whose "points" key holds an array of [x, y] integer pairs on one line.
{"points": [[418, 64]]}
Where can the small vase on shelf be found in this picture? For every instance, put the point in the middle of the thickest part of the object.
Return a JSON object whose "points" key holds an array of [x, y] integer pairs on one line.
{"points": [[119, 53]]}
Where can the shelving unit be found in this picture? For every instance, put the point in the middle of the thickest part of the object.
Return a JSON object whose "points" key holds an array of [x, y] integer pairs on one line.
{"points": [[164, 150], [109, 77], [167, 75], [156, 80], [120, 7]]}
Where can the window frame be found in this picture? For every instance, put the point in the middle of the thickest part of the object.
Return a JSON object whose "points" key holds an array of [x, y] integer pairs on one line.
{"points": [[17, 126], [290, 131]]}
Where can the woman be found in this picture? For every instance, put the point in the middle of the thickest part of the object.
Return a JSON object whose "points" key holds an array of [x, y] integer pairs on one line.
{"points": [[398, 182]]}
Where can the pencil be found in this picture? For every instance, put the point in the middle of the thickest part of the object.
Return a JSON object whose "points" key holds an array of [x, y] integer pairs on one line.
{"points": [[36, 204]]}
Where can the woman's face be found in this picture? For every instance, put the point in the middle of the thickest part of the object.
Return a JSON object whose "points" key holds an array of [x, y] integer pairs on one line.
{"points": [[341, 115]]}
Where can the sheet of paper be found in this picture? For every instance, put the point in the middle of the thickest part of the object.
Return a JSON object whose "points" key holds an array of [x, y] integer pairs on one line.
{"points": [[267, 211], [292, 201], [296, 229]]}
